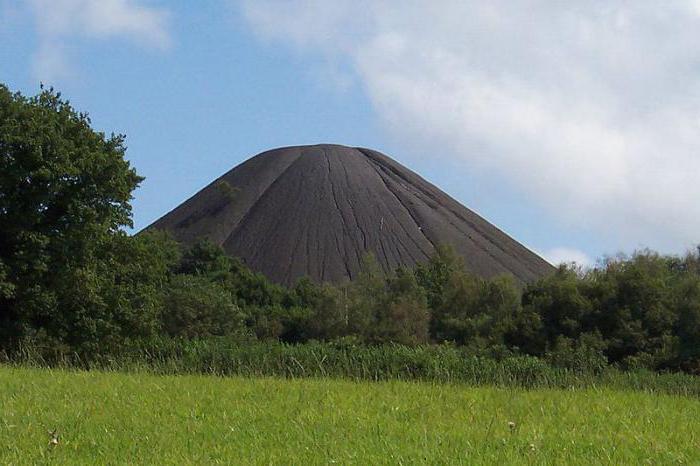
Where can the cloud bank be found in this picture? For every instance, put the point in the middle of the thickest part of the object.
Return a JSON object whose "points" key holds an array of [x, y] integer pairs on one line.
{"points": [[60, 22], [590, 108], [559, 256]]}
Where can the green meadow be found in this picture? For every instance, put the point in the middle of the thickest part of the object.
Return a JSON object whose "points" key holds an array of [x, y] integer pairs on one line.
{"points": [[139, 418]]}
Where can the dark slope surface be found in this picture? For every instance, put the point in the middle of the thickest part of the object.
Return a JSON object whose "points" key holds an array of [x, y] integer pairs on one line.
{"points": [[315, 210]]}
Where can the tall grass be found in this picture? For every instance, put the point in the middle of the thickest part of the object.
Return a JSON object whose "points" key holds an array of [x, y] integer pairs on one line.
{"points": [[441, 363]]}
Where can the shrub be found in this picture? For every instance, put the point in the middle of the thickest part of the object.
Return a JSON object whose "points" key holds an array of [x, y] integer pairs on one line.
{"points": [[584, 355], [329, 314], [196, 307]]}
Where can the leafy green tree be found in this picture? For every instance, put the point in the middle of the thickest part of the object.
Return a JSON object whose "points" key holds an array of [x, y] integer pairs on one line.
{"points": [[134, 281], [247, 287], [195, 306], [64, 196], [206, 258], [435, 275], [6, 288], [404, 317], [306, 293], [365, 296], [583, 355], [635, 306], [687, 298], [264, 322], [643, 310], [255, 289], [561, 307], [383, 308], [329, 313], [270, 310], [688, 328], [477, 312]]}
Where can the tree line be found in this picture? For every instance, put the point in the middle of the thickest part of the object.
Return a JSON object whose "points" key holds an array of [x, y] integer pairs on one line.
{"points": [[72, 280]]}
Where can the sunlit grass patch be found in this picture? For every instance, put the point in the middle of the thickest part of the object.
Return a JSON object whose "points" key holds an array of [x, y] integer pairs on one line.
{"points": [[103, 417]]}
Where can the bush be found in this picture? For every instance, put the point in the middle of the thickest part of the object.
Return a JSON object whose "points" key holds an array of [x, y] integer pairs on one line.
{"points": [[476, 312], [329, 317], [583, 356], [196, 307], [348, 358], [403, 317]]}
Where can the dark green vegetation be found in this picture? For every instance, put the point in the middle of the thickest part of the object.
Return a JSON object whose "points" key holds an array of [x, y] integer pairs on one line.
{"points": [[75, 287], [342, 360], [68, 274]]}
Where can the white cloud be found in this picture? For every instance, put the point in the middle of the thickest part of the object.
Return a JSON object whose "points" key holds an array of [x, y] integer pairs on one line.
{"points": [[558, 256], [592, 108], [60, 21]]}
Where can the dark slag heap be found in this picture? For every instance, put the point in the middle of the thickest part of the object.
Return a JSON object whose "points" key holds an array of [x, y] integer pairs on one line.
{"points": [[316, 210]]}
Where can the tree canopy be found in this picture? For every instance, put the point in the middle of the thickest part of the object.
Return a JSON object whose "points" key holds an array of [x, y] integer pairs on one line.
{"points": [[72, 280], [64, 197]]}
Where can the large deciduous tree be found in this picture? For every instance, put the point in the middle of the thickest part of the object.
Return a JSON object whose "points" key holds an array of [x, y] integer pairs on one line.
{"points": [[64, 197]]}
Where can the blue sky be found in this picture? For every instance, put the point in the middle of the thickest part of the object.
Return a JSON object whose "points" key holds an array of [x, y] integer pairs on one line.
{"points": [[574, 129]]}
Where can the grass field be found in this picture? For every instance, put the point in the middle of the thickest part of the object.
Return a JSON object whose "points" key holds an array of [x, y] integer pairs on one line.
{"points": [[116, 418]]}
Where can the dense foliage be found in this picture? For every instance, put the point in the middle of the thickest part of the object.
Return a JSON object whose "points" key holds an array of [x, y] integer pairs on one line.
{"points": [[445, 363], [71, 281], [66, 275]]}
